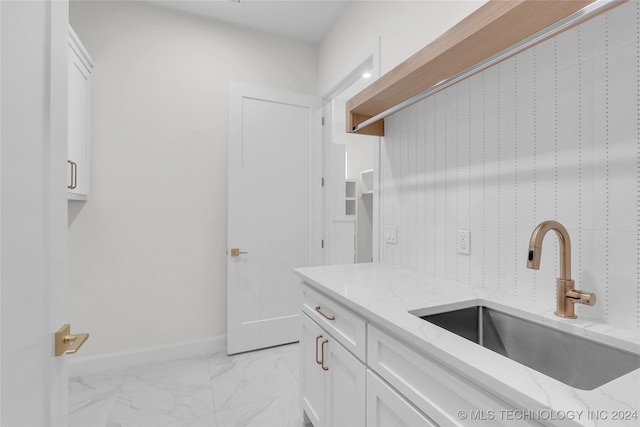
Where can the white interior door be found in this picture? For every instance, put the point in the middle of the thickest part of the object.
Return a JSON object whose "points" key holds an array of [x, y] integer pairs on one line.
{"points": [[273, 212], [33, 211], [342, 241]]}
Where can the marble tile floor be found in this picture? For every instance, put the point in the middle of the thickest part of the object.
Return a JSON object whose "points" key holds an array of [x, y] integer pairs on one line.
{"points": [[259, 388]]}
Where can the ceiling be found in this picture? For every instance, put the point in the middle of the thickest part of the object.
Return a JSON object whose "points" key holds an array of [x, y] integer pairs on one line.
{"points": [[305, 20]]}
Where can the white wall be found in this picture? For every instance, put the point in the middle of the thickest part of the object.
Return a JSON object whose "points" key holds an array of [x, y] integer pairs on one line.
{"points": [[403, 28], [147, 251], [390, 31], [552, 133]]}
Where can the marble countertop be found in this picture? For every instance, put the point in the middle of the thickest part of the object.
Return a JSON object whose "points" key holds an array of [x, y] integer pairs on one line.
{"points": [[384, 295]]}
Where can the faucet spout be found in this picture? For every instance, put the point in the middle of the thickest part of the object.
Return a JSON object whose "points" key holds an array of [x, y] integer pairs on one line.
{"points": [[566, 295], [535, 247]]}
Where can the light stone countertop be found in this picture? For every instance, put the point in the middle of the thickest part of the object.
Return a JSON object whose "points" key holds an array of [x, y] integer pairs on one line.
{"points": [[384, 295]]}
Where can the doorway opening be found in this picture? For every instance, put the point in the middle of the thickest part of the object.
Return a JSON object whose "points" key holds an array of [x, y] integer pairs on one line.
{"points": [[351, 173]]}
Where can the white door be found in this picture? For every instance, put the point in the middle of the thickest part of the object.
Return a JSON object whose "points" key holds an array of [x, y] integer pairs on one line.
{"points": [[387, 408], [342, 241], [33, 211], [312, 378], [344, 387], [274, 218]]}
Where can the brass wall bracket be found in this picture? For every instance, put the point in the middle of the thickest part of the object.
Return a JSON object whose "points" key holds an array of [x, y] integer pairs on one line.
{"points": [[67, 343]]}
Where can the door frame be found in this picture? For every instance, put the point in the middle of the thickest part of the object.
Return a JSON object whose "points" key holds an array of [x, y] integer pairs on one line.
{"points": [[33, 211]]}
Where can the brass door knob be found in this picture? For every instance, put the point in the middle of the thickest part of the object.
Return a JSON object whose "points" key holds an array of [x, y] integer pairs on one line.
{"points": [[67, 343], [237, 252]]}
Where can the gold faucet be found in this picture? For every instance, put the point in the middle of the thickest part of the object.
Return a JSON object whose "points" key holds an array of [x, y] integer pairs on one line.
{"points": [[566, 295]]}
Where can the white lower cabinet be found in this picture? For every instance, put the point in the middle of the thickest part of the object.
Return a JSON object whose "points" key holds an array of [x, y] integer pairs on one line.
{"points": [[312, 375], [333, 380], [387, 408], [342, 350], [446, 397], [337, 320]]}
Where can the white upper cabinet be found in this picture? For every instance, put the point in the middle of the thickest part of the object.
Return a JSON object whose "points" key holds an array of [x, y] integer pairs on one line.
{"points": [[80, 65]]}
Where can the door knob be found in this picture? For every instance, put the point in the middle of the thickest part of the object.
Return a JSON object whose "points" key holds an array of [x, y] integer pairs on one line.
{"points": [[237, 252], [67, 343]]}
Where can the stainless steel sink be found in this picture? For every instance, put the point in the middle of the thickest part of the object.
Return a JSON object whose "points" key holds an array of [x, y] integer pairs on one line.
{"points": [[573, 360]]}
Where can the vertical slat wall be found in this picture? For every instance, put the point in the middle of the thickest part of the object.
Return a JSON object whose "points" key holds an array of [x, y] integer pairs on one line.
{"points": [[552, 133]]}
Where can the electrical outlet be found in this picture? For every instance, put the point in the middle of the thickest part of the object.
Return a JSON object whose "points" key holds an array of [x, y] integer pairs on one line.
{"points": [[464, 242], [391, 234]]}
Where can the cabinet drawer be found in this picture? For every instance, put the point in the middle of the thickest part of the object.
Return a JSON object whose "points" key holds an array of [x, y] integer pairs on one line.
{"points": [[436, 390], [347, 328], [386, 408]]}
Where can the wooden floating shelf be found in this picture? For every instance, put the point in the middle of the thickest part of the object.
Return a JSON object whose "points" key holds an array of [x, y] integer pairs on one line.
{"points": [[492, 28]]}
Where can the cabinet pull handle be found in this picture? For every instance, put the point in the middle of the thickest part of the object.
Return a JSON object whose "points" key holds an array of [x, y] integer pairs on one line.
{"points": [[324, 315], [74, 175], [324, 368], [319, 362]]}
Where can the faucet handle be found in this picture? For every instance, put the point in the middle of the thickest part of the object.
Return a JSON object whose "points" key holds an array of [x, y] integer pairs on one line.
{"points": [[577, 296]]}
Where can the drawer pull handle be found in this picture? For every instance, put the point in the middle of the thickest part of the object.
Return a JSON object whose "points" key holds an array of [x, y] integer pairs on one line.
{"points": [[324, 315], [324, 368], [319, 362]]}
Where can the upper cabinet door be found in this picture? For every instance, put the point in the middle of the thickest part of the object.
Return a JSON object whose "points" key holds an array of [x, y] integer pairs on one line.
{"points": [[80, 65]]}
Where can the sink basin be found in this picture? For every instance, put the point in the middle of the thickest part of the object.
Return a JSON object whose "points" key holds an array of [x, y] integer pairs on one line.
{"points": [[573, 360]]}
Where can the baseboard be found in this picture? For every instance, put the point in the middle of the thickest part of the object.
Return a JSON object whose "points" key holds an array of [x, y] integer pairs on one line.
{"points": [[122, 359]]}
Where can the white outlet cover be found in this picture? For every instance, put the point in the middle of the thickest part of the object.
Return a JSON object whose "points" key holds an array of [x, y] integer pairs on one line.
{"points": [[391, 234], [464, 242]]}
